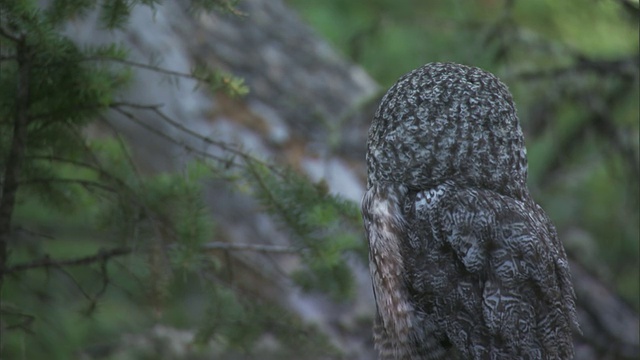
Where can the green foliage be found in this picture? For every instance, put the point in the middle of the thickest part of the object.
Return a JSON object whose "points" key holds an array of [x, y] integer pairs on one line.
{"points": [[215, 5], [231, 322], [326, 227], [608, 34], [389, 38], [99, 249], [218, 80]]}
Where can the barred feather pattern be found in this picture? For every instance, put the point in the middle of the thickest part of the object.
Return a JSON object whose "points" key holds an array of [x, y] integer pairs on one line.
{"points": [[465, 265]]}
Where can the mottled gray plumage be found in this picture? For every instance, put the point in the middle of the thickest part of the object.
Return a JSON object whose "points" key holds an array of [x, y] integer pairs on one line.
{"points": [[465, 265]]}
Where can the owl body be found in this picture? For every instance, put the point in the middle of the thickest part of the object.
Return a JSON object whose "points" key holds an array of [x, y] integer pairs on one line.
{"points": [[465, 265]]}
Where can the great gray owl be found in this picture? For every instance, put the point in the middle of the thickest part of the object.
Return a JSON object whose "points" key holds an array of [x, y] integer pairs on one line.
{"points": [[465, 265]]}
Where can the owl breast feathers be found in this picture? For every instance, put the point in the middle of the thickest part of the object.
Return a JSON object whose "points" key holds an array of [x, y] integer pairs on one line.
{"points": [[465, 265]]}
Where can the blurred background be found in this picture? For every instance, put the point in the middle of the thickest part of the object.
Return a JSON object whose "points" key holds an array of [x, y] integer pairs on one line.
{"points": [[572, 68], [187, 179]]}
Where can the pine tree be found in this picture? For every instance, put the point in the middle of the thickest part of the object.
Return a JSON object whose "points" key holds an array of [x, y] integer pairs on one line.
{"points": [[141, 239]]}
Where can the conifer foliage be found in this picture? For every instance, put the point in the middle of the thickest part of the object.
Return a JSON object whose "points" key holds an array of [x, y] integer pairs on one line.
{"points": [[139, 242]]}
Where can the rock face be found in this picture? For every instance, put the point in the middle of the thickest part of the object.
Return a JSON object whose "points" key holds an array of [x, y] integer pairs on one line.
{"points": [[307, 107], [301, 91], [302, 110]]}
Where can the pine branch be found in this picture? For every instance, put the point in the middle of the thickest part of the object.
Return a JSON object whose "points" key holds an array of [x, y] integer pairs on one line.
{"points": [[24, 325], [225, 161], [82, 164], [9, 36], [271, 198], [124, 149], [217, 80], [47, 261], [100, 257]]}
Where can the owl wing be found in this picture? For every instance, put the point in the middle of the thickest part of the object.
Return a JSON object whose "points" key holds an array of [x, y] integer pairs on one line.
{"points": [[489, 272], [397, 332]]}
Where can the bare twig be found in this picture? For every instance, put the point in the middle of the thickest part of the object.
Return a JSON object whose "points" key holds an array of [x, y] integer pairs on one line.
{"points": [[143, 66], [48, 262], [27, 319], [75, 282], [599, 116], [225, 161], [161, 134], [101, 257], [155, 108], [623, 67], [251, 247], [125, 151], [8, 57], [57, 113], [83, 182]]}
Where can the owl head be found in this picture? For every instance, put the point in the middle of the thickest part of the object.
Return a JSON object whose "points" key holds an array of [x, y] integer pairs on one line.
{"points": [[448, 122]]}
